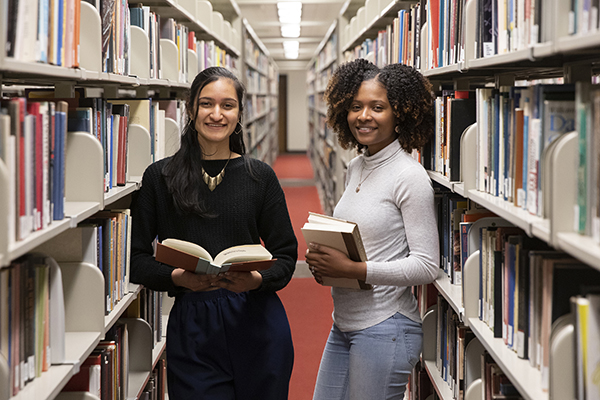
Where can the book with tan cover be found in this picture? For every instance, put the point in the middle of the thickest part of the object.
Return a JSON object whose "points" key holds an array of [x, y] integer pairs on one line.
{"points": [[192, 257], [341, 235]]}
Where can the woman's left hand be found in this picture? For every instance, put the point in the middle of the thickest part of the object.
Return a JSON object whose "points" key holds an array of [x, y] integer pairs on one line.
{"points": [[239, 281], [327, 261]]}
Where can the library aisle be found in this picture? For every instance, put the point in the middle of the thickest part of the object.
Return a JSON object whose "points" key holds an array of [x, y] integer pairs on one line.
{"points": [[308, 305]]}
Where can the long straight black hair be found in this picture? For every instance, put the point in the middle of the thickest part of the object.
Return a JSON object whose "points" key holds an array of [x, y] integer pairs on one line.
{"points": [[183, 172]]}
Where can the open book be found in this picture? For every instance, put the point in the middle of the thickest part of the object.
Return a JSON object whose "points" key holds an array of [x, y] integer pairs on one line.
{"points": [[192, 257], [338, 234]]}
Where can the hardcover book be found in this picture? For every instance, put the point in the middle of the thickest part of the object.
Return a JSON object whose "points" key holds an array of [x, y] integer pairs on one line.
{"points": [[194, 258], [340, 235]]}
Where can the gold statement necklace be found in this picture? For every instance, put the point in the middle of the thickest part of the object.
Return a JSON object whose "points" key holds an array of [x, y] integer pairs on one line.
{"points": [[213, 181]]}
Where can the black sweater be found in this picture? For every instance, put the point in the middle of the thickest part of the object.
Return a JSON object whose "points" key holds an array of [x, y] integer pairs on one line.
{"points": [[246, 211]]}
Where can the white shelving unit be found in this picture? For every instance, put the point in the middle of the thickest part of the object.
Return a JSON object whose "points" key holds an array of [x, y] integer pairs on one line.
{"points": [[261, 78], [83, 284], [557, 55]]}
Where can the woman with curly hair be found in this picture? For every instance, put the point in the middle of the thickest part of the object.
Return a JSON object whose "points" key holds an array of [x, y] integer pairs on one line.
{"points": [[377, 335], [228, 337]]}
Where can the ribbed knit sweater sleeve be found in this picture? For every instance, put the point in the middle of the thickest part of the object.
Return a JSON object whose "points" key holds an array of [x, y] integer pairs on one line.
{"points": [[246, 210]]}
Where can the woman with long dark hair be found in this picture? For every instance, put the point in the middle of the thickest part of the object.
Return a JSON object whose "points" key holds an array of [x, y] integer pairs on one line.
{"points": [[226, 338]]}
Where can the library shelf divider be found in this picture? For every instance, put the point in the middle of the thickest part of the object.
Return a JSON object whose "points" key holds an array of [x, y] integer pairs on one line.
{"points": [[473, 353], [192, 65], [84, 177], [90, 38], [474, 390], [468, 164], [141, 158], [563, 188], [470, 285], [172, 137], [140, 52], [168, 60], [562, 379], [140, 358]]}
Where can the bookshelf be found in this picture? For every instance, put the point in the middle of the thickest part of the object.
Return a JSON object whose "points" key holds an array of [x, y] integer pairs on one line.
{"points": [[328, 159], [85, 322], [553, 52], [260, 76]]}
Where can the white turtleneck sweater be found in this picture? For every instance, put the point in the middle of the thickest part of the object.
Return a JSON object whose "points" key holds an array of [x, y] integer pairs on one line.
{"points": [[396, 217]]}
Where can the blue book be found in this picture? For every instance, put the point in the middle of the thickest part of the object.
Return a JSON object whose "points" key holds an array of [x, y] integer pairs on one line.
{"points": [[60, 36], [513, 245], [43, 30], [60, 120]]}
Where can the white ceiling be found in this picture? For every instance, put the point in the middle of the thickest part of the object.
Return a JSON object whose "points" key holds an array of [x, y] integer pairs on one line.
{"points": [[317, 18]]}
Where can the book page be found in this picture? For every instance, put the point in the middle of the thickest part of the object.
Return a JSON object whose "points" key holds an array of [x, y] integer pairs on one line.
{"points": [[188, 247], [250, 252]]}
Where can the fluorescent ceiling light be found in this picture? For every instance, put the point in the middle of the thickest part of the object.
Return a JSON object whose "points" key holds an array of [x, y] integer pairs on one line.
{"points": [[290, 49], [290, 45], [290, 14], [290, 30], [290, 5], [289, 18]]}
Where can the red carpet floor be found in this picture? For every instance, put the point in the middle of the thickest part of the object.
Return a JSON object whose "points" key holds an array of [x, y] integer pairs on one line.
{"points": [[308, 305]]}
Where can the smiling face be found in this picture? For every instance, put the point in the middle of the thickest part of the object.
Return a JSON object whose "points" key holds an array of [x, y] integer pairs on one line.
{"points": [[370, 117], [217, 116]]}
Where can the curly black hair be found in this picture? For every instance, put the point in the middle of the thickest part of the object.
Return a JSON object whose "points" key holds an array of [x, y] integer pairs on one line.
{"points": [[408, 92]]}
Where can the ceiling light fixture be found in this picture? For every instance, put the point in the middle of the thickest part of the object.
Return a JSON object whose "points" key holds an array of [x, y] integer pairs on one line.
{"points": [[291, 48], [290, 30], [290, 15]]}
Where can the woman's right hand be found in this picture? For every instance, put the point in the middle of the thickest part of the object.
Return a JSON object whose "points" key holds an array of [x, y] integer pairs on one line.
{"points": [[193, 281]]}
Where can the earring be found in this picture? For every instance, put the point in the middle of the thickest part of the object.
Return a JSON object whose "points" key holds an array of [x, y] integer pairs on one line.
{"points": [[397, 129], [239, 131]]}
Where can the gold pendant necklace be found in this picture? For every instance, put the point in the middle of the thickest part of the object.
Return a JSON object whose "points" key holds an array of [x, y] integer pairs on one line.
{"points": [[213, 181], [360, 179]]}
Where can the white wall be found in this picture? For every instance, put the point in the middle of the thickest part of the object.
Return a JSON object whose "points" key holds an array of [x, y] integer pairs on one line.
{"points": [[297, 110]]}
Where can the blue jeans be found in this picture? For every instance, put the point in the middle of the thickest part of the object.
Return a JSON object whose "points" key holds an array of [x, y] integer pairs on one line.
{"points": [[372, 363]]}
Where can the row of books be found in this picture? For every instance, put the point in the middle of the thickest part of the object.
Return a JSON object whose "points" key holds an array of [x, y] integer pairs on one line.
{"points": [[524, 287], [103, 241], [45, 31], [452, 338], [105, 372], [454, 112], [33, 139], [256, 83], [148, 306], [515, 127], [255, 57], [456, 216], [587, 124], [157, 382], [32, 320]]}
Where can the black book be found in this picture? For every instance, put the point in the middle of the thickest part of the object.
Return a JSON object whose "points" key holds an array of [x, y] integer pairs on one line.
{"points": [[462, 115]]}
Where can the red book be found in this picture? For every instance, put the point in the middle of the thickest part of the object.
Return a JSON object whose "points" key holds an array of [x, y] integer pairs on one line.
{"points": [[33, 108], [88, 379]]}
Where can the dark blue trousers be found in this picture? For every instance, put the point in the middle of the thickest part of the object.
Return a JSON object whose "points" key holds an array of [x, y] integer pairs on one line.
{"points": [[228, 346]]}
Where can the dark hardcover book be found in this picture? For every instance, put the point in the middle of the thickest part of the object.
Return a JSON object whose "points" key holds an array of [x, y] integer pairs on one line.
{"points": [[462, 115], [136, 16]]}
